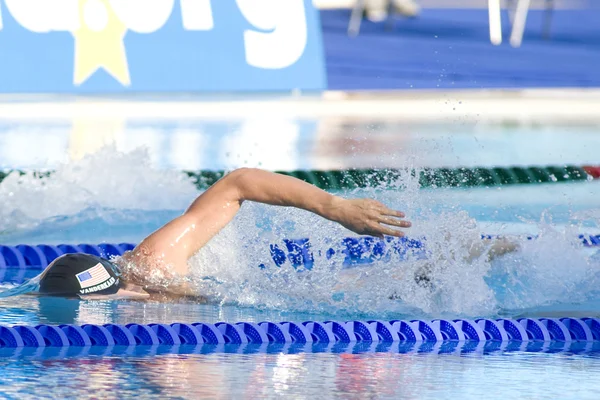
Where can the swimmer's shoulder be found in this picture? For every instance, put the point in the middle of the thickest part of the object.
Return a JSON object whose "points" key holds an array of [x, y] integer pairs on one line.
{"points": [[157, 281]]}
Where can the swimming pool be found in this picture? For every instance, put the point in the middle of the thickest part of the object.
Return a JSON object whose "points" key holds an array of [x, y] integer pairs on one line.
{"points": [[93, 201]]}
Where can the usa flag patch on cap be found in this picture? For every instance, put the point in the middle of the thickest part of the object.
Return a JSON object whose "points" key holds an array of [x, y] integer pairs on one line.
{"points": [[93, 276]]}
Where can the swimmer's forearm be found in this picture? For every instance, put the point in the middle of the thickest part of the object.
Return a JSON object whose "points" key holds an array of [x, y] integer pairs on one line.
{"points": [[281, 190], [362, 216]]}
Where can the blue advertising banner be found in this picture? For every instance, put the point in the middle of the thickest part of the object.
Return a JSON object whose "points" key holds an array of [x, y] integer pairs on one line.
{"points": [[111, 46]]}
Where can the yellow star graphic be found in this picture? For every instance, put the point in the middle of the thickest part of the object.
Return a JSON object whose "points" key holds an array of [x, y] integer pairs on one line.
{"points": [[99, 42]]}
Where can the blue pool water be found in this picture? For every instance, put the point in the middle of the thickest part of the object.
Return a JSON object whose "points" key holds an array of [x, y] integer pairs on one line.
{"points": [[307, 375], [93, 201]]}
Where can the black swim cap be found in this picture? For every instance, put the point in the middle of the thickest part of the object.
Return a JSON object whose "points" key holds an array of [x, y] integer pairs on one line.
{"points": [[80, 275]]}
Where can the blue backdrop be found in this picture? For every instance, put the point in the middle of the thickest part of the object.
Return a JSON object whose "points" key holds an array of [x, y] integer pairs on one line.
{"points": [[104, 46]]}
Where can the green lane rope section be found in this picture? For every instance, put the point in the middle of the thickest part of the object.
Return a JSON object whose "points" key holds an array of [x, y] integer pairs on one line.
{"points": [[389, 178], [428, 177]]}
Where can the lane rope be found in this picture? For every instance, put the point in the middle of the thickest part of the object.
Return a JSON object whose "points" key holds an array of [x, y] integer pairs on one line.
{"points": [[402, 347], [545, 330], [428, 177]]}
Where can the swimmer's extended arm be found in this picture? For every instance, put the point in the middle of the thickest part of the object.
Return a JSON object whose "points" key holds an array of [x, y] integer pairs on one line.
{"points": [[215, 208]]}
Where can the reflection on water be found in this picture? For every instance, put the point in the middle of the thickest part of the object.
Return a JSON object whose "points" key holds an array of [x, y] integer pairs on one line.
{"points": [[34, 310], [347, 371], [282, 143]]}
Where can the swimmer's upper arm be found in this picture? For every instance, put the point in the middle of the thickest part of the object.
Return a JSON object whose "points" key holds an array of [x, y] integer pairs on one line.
{"points": [[179, 239]]}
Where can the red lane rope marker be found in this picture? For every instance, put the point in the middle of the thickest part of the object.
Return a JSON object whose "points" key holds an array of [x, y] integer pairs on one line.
{"points": [[594, 172]]}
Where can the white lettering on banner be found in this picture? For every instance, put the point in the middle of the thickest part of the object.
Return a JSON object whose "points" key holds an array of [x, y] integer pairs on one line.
{"points": [[278, 40], [95, 15], [197, 15], [143, 16], [286, 41], [31, 14], [65, 15], [42, 16]]}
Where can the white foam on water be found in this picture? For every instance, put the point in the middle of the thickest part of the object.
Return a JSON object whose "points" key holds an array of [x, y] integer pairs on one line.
{"points": [[123, 188], [93, 186], [230, 274]]}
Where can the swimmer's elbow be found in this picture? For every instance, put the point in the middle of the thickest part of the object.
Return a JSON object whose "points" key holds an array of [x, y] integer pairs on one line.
{"points": [[241, 174], [239, 180]]}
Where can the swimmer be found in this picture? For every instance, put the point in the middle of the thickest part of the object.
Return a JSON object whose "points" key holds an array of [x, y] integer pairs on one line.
{"points": [[158, 265]]}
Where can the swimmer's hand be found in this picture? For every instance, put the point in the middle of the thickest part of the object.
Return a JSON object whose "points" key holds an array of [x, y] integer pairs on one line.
{"points": [[366, 217], [492, 248]]}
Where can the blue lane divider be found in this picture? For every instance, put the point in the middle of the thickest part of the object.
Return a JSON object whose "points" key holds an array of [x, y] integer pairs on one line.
{"points": [[39, 256], [298, 252], [565, 330], [445, 347]]}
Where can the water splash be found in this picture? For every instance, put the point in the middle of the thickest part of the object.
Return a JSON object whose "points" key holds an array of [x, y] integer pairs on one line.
{"points": [[107, 187], [93, 199], [382, 288]]}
